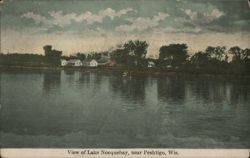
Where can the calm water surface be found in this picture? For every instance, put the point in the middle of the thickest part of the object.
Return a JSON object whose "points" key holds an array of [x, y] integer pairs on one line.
{"points": [[93, 109]]}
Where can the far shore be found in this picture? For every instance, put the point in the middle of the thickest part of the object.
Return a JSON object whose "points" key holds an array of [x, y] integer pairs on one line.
{"points": [[129, 70]]}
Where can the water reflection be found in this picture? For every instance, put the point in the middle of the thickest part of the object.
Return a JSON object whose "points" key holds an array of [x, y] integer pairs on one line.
{"points": [[84, 78], [131, 89], [91, 80], [171, 89], [238, 92], [71, 76], [217, 91], [51, 82], [143, 110]]}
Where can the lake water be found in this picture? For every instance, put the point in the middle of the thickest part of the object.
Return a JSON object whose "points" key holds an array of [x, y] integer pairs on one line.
{"points": [[96, 109]]}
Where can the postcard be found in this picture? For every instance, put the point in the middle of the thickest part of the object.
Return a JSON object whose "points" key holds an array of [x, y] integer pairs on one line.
{"points": [[124, 78]]}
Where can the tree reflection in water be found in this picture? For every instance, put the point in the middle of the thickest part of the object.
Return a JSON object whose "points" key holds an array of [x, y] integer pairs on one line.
{"points": [[140, 110], [130, 88]]}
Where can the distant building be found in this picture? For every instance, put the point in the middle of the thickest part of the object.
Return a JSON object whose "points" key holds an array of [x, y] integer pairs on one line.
{"points": [[90, 63], [93, 63], [74, 62], [64, 62], [151, 64]]}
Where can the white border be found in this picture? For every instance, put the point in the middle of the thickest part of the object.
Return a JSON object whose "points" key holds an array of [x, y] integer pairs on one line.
{"points": [[88, 153]]}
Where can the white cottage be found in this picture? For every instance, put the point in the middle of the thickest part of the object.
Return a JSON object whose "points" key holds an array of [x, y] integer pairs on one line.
{"points": [[93, 63], [90, 63], [74, 62], [151, 64], [64, 62]]}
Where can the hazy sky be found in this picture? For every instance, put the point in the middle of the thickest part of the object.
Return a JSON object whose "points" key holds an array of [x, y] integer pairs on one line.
{"points": [[95, 25]]}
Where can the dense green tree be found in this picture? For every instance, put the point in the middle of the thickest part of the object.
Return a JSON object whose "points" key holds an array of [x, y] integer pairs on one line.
{"points": [[246, 54], [174, 54], [120, 55], [96, 56], [246, 59], [216, 53], [136, 48], [89, 56], [81, 56], [53, 56], [132, 53], [238, 64], [15, 59], [200, 58], [237, 53]]}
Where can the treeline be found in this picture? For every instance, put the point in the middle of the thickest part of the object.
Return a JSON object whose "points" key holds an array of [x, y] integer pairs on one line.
{"points": [[87, 56], [175, 57], [15, 59], [219, 59], [50, 58], [132, 54]]}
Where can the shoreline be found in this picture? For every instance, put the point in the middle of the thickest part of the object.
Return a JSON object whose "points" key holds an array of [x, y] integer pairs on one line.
{"points": [[130, 71]]}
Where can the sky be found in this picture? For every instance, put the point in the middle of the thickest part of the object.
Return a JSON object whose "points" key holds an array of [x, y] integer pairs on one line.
{"points": [[99, 25]]}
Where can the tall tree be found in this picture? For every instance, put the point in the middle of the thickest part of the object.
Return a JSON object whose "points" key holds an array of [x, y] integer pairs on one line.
{"points": [[132, 53], [237, 53], [136, 48], [53, 56], [247, 59], [174, 54], [200, 58], [216, 53], [120, 55], [246, 54], [81, 56]]}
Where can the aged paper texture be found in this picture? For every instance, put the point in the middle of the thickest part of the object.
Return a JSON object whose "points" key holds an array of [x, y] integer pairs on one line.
{"points": [[125, 78]]}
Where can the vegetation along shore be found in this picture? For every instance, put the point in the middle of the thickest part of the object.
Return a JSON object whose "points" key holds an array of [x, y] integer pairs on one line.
{"points": [[131, 57]]}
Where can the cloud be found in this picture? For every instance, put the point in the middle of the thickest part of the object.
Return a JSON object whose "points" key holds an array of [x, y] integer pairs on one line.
{"points": [[178, 30], [199, 18], [57, 18], [142, 23], [36, 17]]}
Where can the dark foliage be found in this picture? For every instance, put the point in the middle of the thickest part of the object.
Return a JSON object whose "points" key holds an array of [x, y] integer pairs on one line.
{"points": [[132, 54], [173, 54], [53, 56]]}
